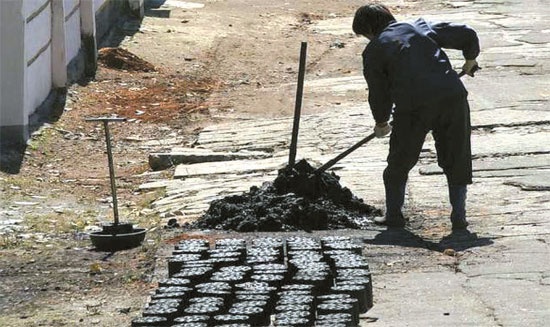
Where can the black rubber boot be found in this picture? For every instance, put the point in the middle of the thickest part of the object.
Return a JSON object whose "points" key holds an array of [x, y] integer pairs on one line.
{"points": [[395, 197], [457, 196]]}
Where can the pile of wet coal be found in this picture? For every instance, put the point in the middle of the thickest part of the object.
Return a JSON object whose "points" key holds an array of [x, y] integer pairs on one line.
{"points": [[297, 199]]}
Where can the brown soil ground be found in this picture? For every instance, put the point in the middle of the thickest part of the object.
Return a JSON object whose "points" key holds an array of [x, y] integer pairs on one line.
{"points": [[175, 75]]}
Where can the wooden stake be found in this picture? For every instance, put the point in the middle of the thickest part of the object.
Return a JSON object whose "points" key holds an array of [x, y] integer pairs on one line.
{"points": [[298, 105]]}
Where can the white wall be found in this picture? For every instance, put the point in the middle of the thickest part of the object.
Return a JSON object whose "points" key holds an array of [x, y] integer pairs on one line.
{"points": [[0, 63], [38, 40], [30, 6], [72, 28], [12, 62], [38, 36]]}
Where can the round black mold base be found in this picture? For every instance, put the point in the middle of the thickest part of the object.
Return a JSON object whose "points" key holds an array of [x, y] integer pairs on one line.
{"points": [[120, 228], [116, 242]]}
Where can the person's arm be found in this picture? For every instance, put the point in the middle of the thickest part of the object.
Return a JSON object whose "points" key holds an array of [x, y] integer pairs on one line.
{"points": [[379, 87], [456, 36]]}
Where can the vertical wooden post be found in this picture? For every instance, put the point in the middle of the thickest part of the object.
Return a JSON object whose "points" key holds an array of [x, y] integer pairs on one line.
{"points": [[105, 121], [88, 32], [298, 105], [59, 56], [111, 169], [14, 119]]}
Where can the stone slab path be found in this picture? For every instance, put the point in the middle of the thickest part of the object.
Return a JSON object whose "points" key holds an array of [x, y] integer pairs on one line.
{"points": [[499, 274]]}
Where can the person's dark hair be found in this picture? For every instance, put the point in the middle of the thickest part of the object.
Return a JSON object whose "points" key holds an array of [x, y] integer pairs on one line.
{"points": [[371, 19]]}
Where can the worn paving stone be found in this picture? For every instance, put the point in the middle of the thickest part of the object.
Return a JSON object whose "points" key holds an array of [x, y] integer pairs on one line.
{"points": [[336, 85], [227, 167], [530, 311], [493, 280], [539, 181], [500, 117], [190, 197], [487, 196], [512, 141], [160, 161], [488, 276], [505, 163], [439, 298]]}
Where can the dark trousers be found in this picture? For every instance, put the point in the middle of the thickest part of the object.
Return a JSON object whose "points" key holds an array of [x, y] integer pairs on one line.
{"points": [[449, 121]]}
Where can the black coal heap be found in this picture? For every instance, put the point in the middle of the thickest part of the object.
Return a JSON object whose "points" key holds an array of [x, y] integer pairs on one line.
{"points": [[297, 200]]}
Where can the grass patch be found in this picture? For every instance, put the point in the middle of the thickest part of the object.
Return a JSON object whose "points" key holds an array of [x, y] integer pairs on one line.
{"points": [[9, 241], [60, 223]]}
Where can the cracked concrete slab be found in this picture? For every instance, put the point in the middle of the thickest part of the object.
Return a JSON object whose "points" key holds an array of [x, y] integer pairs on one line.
{"points": [[229, 167], [539, 181], [515, 163], [436, 299], [516, 271], [160, 161]]}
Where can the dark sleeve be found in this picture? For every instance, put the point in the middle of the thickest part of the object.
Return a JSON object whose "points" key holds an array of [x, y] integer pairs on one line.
{"points": [[379, 87], [456, 36]]}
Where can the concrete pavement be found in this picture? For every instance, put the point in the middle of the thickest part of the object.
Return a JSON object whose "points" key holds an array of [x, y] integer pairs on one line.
{"points": [[499, 274]]}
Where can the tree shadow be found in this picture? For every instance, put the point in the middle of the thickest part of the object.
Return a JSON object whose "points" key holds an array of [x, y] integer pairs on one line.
{"points": [[127, 27], [457, 240]]}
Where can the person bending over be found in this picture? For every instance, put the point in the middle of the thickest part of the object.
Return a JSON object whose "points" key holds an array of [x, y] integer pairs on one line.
{"points": [[410, 78]]}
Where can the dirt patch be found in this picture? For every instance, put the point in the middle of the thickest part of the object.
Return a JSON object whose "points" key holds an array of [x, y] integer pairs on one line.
{"points": [[119, 58], [156, 98], [296, 200]]}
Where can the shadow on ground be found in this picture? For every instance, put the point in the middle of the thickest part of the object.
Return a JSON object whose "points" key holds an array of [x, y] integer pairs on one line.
{"points": [[458, 241], [12, 150], [11, 156]]}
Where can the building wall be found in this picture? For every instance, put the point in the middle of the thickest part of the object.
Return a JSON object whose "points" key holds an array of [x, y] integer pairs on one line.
{"points": [[38, 52], [44, 44], [72, 28], [12, 64]]}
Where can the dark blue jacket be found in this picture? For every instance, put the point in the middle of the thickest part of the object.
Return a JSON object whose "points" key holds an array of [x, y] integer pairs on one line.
{"points": [[405, 65]]}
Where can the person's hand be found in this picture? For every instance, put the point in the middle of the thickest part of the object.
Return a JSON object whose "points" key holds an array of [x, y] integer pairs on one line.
{"points": [[382, 129], [470, 67]]}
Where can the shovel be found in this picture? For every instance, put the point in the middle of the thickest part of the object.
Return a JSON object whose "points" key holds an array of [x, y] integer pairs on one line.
{"points": [[315, 177], [317, 182], [342, 155]]}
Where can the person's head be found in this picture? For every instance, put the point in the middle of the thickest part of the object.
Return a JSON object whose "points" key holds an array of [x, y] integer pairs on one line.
{"points": [[370, 20]]}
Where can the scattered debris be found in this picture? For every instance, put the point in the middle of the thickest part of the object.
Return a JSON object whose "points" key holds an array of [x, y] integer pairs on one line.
{"points": [[337, 45], [95, 268], [172, 223], [308, 18], [449, 252], [154, 99]]}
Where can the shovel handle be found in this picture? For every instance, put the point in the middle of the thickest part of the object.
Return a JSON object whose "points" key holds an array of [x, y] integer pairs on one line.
{"points": [[344, 154]]}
